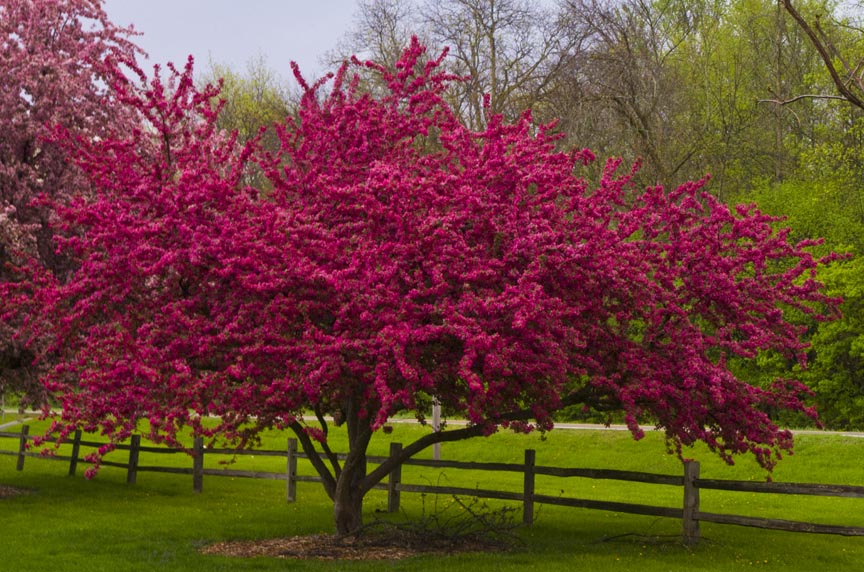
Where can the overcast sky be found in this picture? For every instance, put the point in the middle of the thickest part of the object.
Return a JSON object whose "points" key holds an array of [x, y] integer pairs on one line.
{"points": [[232, 32]]}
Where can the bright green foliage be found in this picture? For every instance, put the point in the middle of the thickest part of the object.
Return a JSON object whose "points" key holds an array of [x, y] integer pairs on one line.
{"points": [[743, 59], [837, 374], [254, 101], [839, 158], [836, 370]]}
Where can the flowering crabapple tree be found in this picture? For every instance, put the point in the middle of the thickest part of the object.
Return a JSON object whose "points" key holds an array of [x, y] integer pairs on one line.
{"points": [[398, 258], [52, 70]]}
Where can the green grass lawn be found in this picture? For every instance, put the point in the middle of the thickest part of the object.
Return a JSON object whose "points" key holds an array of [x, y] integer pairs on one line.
{"points": [[69, 523]]}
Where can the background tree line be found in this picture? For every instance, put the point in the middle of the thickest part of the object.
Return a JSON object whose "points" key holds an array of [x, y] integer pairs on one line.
{"points": [[726, 87]]}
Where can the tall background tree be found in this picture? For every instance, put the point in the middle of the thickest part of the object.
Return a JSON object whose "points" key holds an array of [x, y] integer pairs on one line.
{"points": [[509, 51], [52, 64]]}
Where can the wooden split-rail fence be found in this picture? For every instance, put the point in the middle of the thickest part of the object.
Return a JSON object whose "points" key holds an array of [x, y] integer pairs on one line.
{"points": [[689, 512]]}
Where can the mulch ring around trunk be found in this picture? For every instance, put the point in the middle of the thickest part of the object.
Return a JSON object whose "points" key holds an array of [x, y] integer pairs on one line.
{"points": [[331, 547]]}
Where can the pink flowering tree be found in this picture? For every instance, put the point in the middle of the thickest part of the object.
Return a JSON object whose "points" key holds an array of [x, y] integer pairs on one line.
{"points": [[52, 67], [399, 258]]}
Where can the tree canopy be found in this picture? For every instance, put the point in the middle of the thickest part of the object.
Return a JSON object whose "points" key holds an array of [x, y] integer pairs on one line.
{"points": [[398, 257]]}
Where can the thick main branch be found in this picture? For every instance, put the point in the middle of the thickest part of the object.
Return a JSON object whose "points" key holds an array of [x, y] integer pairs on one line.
{"points": [[583, 395]]}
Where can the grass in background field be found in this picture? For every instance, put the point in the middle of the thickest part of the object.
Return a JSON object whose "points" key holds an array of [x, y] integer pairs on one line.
{"points": [[68, 523]]}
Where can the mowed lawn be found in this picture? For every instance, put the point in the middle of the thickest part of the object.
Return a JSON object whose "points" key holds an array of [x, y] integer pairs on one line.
{"points": [[69, 523]]}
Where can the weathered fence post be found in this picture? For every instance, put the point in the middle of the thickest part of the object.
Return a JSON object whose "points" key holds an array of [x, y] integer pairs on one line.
{"points": [[132, 471], [394, 480], [22, 446], [76, 450], [291, 476], [198, 465], [528, 488], [691, 503]]}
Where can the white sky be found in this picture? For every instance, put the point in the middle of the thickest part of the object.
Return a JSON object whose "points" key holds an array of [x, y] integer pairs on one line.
{"points": [[232, 32]]}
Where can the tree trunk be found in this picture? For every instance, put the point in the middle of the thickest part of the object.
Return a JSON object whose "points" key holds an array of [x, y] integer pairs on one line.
{"points": [[349, 493], [348, 509]]}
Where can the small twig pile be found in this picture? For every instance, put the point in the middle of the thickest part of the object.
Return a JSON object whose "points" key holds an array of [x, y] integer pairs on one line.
{"points": [[460, 525]]}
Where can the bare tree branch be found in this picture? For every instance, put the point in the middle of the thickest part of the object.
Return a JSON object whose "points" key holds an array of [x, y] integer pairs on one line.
{"points": [[826, 55], [803, 96]]}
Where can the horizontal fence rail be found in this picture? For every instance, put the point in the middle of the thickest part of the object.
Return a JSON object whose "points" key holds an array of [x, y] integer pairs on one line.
{"points": [[689, 513], [133, 467]]}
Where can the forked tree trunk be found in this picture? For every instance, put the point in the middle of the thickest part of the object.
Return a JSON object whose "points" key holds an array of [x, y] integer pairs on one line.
{"points": [[343, 484], [349, 493]]}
